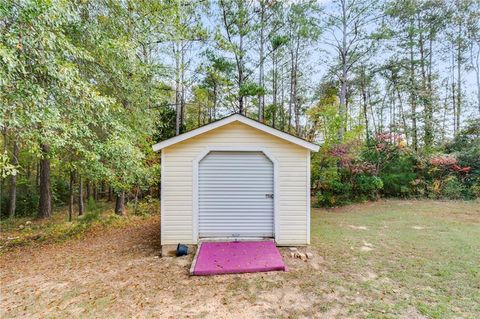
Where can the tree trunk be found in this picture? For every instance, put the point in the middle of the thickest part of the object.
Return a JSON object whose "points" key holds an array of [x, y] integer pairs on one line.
{"points": [[476, 64], [214, 111], [120, 203], [459, 80], [89, 190], [402, 112], [178, 110], [296, 98], [102, 189], [343, 78], [71, 196], [45, 201], [261, 97], [240, 77], [135, 199], [364, 102], [37, 175], [182, 85], [426, 97], [274, 88], [13, 186], [413, 102], [4, 151], [292, 91], [80, 196]]}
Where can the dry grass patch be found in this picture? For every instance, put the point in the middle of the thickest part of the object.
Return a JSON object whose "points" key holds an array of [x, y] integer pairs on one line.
{"points": [[409, 273]]}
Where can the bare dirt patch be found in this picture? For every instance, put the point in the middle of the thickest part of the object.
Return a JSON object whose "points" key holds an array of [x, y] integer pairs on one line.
{"points": [[119, 274]]}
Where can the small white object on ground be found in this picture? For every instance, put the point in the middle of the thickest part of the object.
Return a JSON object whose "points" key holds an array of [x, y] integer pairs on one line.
{"points": [[309, 255], [367, 244], [358, 227]]}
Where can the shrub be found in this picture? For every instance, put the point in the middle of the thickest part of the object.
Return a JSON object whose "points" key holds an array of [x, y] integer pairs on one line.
{"points": [[452, 188], [335, 193], [368, 186], [145, 207]]}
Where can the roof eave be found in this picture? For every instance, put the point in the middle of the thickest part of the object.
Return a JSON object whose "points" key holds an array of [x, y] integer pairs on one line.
{"points": [[243, 119]]}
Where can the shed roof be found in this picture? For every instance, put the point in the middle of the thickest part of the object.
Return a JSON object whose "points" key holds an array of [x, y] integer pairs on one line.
{"points": [[236, 118]]}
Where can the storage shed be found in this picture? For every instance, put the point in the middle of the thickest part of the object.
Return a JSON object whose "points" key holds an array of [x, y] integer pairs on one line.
{"points": [[235, 179]]}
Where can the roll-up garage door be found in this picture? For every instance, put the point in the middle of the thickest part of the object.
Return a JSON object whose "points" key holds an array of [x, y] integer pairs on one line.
{"points": [[235, 195]]}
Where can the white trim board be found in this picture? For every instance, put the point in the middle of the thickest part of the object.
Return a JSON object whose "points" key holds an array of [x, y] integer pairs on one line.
{"points": [[162, 198], [233, 118], [308, 197], [276, 193]]}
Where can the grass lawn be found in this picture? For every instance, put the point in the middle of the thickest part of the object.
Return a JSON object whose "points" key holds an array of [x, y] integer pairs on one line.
{"points": [[392, 258], [388, 259]]}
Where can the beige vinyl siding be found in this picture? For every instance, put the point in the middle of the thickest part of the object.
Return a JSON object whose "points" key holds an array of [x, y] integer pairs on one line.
{"points": [[177, 179]]}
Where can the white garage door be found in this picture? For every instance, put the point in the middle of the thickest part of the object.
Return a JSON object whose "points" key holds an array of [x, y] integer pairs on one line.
{"points": [[235, 194]]}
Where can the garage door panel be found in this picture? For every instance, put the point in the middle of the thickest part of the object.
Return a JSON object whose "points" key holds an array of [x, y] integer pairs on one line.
{"points": [[232, 195]]}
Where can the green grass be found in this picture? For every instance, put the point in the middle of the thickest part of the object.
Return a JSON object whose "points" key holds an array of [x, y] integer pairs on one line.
{"points": [[425, 255]]}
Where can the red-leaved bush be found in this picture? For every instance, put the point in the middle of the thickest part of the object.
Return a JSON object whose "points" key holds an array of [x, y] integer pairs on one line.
{"points": [[443, 160]]}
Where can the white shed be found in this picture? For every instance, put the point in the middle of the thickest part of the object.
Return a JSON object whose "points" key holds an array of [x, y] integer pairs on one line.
{"points": [[235, 178]]}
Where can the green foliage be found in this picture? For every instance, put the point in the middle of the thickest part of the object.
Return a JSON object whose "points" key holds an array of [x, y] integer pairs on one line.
{"points": [[335, 193], [395, 164], [251, 89], [452, 188], [466, 148], [6, 168], [146, 207], [27, 199], [368, 186], [385, 166]]}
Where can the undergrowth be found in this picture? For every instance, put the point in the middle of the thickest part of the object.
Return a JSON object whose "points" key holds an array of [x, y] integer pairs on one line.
{"points": [[99, 216]]}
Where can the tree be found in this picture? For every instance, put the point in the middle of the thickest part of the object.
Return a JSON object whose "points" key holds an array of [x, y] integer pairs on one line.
{"points": [[45, 96], [347, 28], [182, 30], [236, 21], [303, 29]]}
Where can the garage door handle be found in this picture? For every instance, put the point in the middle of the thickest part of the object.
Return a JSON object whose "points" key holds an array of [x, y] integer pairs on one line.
{"points": [[269, 195]]}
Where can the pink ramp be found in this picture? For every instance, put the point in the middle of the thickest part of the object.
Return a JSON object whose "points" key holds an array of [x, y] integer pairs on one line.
{"points": [[237, 257]]}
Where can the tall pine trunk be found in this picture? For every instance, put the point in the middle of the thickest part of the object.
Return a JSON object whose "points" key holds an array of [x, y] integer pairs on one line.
{"points": [[274, 88], [89, 190], [45, 201], [13, 185], [459, 83], [292, 91], [261, 97], [364, 102], [80, 196], [413, 101], [344, 76], [71, 196], [120, 203]]}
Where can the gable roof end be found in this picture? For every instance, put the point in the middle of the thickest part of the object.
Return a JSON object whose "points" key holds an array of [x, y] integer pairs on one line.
{"points": [[233, 118]]}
